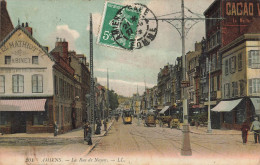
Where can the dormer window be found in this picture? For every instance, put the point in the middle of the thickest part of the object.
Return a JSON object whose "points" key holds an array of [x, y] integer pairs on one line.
{"points": [[7, 59], [35, 60]]}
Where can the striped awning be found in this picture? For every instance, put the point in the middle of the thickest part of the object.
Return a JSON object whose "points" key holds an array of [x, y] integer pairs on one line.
{"points": [[226, 106], [23, 105]]}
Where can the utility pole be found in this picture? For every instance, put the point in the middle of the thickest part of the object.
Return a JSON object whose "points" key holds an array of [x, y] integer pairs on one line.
{"points": [[209, 120], [92, 85], [185, 149]]}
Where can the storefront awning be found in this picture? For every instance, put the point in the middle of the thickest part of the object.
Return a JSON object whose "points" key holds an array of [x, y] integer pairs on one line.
{"points": [[164, 109], [23, 105], [256, 103], [226, 106]]}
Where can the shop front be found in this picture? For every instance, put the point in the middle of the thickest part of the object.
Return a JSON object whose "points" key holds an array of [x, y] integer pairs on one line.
{"points": [[24, 116]]}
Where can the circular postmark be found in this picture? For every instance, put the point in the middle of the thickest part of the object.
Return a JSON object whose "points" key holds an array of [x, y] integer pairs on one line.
{"points": [[134, 26]]}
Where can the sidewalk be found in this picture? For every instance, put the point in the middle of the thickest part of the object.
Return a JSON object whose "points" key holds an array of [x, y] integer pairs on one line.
{"points": [[74, 136], [203, 131]]}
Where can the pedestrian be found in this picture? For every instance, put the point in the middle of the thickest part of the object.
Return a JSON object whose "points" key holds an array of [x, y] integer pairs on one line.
{"points": [[98, 129], [87, 133], [244, 128], [117, 116], [160, 122], [55, 128], [256, 128], [105, 124]]}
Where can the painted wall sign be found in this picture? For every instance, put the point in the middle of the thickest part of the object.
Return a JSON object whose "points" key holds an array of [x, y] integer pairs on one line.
{"points": [[23, 45], [242, 8]]}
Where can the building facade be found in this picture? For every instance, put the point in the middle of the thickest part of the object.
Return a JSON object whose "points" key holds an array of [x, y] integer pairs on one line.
{"points": [[38, 88]]}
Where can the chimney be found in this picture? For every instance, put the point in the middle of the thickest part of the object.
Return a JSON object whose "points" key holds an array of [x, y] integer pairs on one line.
{"points": [[29, 29], [198, 46], [3, 4], [64, 47]]}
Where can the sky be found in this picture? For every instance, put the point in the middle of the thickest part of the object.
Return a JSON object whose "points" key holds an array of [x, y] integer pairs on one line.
{"points": [[128, 70]]}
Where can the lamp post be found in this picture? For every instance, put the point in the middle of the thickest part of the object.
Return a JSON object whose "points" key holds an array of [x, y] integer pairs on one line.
{"points": [[209, 120]]}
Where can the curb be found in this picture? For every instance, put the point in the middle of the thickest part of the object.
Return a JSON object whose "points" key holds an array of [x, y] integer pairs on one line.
{"points": [[98, 140]]}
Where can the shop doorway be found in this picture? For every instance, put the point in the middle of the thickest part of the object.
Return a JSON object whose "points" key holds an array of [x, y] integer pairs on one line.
{"points": [[18, 124]]}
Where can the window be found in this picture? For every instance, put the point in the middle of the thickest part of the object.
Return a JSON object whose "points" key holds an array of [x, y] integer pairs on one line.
{"points": [[233, 64], [226, 67], [254, 86], [35, 60], [38, 118], [37, 83], [242, 87], [218, 38], [254, 59], [7, 59], [234, 89], [2, 84], [240, 62], [230, 65], [227, 90], [4, 117], [218, 82], [56, 89], [60, 87], [213, 63], [18, 83], [212, 84]]}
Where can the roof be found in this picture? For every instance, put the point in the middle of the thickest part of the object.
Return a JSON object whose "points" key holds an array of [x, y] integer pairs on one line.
{"points": [[209, 8], [6, 25], [19, 27]]}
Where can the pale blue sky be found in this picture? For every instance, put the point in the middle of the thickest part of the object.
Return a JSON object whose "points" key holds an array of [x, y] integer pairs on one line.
{"points": [[70, 19]]}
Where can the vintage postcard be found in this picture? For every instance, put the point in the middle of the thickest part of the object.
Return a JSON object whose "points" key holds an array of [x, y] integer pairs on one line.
{"points": [[130, 82]]}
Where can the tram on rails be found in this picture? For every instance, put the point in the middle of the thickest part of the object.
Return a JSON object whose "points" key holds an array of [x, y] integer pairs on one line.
{"points": [[127, 117]]}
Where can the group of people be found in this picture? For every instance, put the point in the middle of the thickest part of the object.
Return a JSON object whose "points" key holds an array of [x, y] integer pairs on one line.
{"points": [[88, 130], [255, 127]]}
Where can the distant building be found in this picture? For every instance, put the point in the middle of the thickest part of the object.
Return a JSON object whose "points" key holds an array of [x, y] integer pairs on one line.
{"points": [[193, 76]]}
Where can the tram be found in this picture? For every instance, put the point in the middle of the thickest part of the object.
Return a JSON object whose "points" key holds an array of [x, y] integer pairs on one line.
{"points": [[127, 117]]}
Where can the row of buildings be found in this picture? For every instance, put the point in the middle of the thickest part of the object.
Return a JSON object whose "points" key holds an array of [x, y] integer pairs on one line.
{"points": [[38, 87], [224, 64]]}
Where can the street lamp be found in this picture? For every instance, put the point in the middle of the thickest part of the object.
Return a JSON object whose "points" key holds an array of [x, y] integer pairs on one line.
{"points": [[209, 120]]}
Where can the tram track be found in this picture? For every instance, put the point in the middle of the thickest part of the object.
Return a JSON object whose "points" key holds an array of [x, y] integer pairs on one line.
{"points": [[175, 140]]}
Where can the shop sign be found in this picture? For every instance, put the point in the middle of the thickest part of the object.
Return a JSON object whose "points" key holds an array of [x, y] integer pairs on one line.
{"points": [[242, 8]]}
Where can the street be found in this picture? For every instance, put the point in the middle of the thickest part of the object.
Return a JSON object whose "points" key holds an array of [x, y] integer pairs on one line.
{"points": [[137, 144], [154, 144]]}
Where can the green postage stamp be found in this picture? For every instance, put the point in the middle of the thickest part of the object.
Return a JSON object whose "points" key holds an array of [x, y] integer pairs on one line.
{"points": [[127, 27]]}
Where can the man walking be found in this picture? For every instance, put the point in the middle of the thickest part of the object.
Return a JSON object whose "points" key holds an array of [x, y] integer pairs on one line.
{"points": [[105, 124], [244, 129], [87, 133], [256, 128]]}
